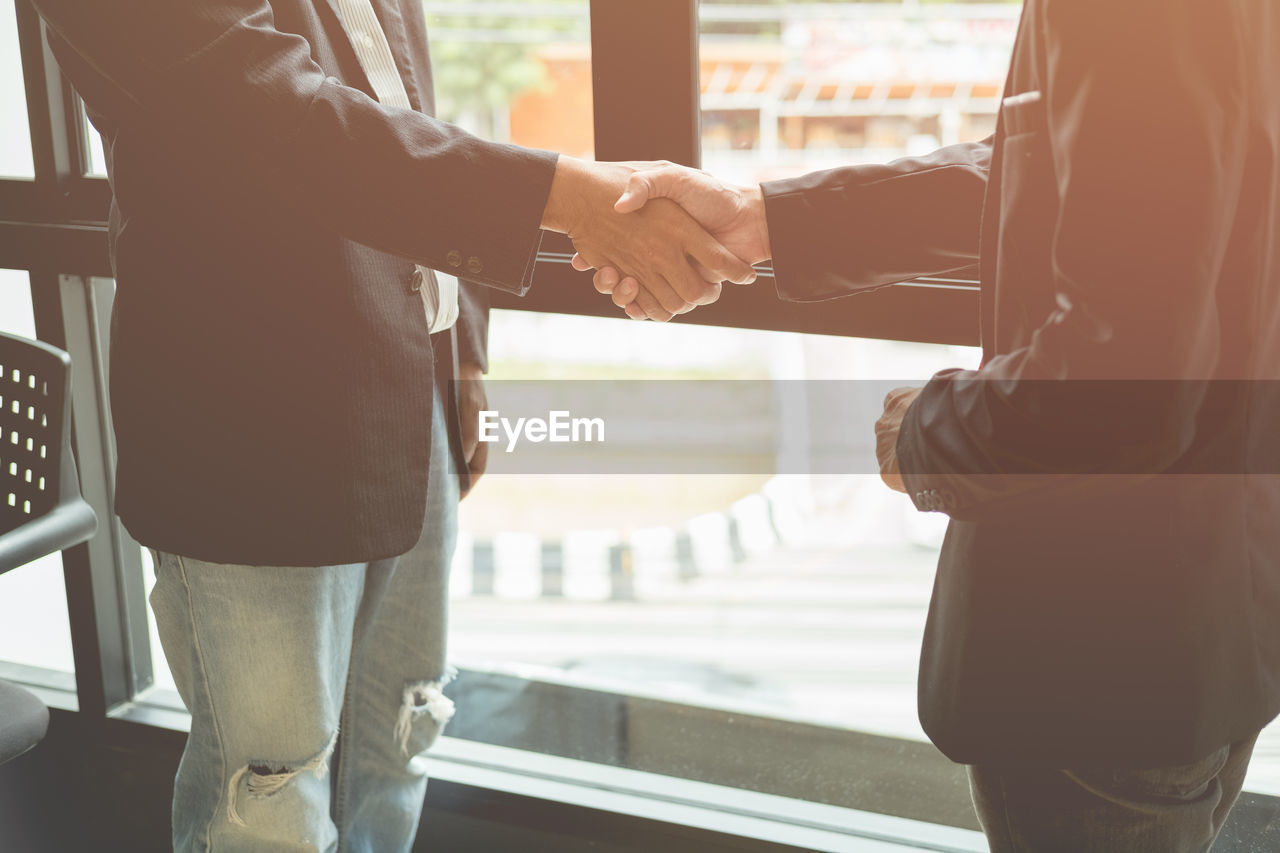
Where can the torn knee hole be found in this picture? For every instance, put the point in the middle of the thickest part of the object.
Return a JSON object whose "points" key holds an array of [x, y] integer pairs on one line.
{"points": [[267, 770], [421, 700], [264, 779]]}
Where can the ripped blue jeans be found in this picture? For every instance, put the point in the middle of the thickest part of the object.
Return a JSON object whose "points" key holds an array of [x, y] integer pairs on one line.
{"points": [[313, 692]]}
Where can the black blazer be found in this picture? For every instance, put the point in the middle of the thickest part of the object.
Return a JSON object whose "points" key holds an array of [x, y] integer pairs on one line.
{"points": [[271, 368], [1109, 589]]}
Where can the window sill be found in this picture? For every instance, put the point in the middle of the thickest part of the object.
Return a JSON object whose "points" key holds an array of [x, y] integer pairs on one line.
{"points": [[751, 817]]}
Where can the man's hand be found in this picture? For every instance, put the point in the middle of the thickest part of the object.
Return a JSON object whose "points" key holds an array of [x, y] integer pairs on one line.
{"points": [[733, 215], [472, 401], [896, 403], [678, 262]]}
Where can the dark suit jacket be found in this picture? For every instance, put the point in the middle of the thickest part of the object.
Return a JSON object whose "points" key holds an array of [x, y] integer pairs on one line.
{"points": [[1109, 589], [271, 368]]}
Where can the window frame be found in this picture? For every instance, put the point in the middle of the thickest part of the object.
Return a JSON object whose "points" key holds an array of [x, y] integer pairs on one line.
{"points": [[935, 310], [54, 227]]}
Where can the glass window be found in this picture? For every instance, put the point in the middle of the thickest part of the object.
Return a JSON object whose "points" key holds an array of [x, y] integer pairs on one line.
{"points": [[749, 593], [796, 636], [625, 616], [34, 626], [15, 143], [788, 88], [160, 667], [513, 77], [503, 74], [96, 166]]}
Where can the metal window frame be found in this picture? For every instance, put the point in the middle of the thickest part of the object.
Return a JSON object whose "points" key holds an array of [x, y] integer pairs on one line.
{"points": [[623, 32], [43, 230], [54, 227]]}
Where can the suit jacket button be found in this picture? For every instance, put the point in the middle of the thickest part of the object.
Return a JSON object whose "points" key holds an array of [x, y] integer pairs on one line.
{"points": [[415, 283], [454, 258], [474, 266]]}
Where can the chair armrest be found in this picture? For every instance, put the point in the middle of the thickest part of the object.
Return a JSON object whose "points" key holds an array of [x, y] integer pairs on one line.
{"points": [[68, 524]]}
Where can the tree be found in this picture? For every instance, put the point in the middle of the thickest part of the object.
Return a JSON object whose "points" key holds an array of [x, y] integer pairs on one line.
{"points": [[483, 62]]}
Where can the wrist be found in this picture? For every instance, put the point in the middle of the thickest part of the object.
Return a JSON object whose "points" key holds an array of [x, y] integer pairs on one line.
{"points": [[557, 214], [578, 188], [756, 212]]}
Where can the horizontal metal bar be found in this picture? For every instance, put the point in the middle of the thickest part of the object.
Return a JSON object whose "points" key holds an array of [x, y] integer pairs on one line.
{"points": [[742, 12], [890, 108], [505, 36], [731, 811], [20, 200], [859, 11], [78, 249], [941, 311], [507, 9]]}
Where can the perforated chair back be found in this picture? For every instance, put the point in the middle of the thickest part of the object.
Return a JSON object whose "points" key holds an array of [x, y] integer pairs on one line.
{"points": [[41, 510]]}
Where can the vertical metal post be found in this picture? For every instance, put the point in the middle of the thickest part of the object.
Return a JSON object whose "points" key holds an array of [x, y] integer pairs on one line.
{"points": [[686, 562], [646, 109], [736, 548], [59, 136], [622, 577], [483, 567], [106, 602], [553, 569], [52, 146]]}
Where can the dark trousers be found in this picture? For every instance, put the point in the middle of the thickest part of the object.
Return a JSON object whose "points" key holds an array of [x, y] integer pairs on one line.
{"points": [[1167, 810]]}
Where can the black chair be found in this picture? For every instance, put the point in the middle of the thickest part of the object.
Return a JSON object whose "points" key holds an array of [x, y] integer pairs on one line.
{"points": [[41, 510]]}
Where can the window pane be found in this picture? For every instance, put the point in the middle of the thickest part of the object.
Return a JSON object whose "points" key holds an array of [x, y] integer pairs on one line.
{"points": [[523, 78], [512, 76], [34, 627], [15, 142], [795, 87], [792, 646], [753, 593], [792, 88], [97, 161]]}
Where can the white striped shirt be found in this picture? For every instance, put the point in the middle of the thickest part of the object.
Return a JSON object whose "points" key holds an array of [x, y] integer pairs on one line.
{"points": [[365, 33]]}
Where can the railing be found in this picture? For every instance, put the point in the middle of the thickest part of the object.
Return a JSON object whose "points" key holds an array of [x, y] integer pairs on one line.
{"points": [[547, 21]]}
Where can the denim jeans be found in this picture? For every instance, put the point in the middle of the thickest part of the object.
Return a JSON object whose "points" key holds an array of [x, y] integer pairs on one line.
{"points": [[1167, 810], [313, 692]]}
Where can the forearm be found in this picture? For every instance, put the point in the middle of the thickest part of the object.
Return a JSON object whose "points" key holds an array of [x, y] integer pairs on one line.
{"points": [[396, 180], [843, 230], [990, 444], [579, 192]]}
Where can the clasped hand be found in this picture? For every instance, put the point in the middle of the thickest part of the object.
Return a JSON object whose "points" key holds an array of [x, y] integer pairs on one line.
{"points": [[667, 237]]}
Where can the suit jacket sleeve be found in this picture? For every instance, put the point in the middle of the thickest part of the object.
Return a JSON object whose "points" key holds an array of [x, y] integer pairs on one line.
{"points": [[223, 71], [1146, 122], [1146, 118], [845, 230]]}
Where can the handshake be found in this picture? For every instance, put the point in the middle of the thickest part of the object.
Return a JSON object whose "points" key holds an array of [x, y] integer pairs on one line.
{"points": [[661, 237]]}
